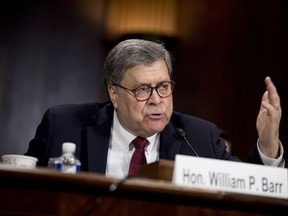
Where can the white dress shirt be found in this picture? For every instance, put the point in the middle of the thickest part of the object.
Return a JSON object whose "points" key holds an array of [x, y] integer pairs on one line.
{"points": [[121, 150], [279, 162]]}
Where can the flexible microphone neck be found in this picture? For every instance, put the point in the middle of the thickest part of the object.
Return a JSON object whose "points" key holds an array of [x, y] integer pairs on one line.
{"points": [[181, 133]]}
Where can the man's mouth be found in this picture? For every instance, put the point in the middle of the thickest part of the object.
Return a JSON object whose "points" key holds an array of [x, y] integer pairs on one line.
{"points": [[155, 116]]}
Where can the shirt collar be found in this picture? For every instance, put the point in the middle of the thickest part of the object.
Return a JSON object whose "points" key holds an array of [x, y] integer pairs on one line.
{"points": [[124, 138]]}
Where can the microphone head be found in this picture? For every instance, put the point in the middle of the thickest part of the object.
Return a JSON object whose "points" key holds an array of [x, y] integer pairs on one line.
{"points": [[180, 132]]}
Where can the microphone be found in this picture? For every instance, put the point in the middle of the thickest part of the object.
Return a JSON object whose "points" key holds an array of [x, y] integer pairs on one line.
{"points": [[181, 133]]}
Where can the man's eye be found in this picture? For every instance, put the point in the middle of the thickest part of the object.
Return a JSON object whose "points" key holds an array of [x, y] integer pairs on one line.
{"points": [[143, 89], [163, 86]]}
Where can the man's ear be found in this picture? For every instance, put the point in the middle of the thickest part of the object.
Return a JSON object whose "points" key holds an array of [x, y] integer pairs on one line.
{"points": [[113, 95]]}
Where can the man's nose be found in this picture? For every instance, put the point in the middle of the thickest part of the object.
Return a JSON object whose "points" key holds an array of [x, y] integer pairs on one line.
{"points": [[154, 98]]}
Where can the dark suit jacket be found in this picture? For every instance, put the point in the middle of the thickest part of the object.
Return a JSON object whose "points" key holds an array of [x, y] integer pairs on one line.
{"points": [[89, 127]]}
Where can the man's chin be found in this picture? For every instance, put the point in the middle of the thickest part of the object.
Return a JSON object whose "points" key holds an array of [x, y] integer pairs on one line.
{"points": [[155, 130], [152, 128]]}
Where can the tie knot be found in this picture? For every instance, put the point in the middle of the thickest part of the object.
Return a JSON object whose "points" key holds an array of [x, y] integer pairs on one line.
{"points": [[140, 142]]}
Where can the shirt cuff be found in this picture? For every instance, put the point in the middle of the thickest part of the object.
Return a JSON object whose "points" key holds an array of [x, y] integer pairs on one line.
{"points": [[279, 162]]}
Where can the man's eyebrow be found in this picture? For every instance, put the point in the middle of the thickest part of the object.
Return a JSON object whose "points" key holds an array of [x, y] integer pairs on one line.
{"points": [[158, 83]]}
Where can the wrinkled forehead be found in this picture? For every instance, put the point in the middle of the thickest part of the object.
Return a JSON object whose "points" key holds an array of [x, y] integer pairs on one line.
{"points": [[147, 73]]}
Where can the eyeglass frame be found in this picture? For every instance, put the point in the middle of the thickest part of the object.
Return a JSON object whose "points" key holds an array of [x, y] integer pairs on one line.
{"points": [[152, 89]]}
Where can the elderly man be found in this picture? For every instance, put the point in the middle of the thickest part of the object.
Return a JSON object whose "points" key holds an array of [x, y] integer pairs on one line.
{"points": [[138, 124]]}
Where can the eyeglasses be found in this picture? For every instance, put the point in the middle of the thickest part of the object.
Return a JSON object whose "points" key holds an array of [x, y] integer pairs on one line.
{"points": [[144, 92]]}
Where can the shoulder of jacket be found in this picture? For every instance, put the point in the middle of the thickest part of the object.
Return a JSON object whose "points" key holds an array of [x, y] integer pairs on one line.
{"points": [[178, 116]]}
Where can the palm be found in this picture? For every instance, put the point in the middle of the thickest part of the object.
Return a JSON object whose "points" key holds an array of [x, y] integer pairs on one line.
{"points": [[268, 119]]}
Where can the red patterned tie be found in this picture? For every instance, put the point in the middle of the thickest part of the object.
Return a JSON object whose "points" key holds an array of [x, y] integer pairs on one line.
{"points": [[138, 157]]}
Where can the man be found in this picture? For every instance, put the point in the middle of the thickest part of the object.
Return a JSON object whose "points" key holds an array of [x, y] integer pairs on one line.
{"points": [[137, 75]]}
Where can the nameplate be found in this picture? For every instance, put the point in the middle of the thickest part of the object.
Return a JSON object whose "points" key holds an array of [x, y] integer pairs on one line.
{"points": [[229, 176]]}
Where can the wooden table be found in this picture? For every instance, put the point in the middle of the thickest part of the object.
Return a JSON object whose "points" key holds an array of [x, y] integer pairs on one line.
{"points": [[48, 192]]}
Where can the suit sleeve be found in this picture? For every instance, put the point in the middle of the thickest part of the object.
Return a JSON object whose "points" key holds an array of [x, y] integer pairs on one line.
{"points": [[39, 144]]}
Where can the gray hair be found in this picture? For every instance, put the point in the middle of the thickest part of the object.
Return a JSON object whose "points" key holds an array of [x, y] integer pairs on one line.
{"points": [[130, 53]]}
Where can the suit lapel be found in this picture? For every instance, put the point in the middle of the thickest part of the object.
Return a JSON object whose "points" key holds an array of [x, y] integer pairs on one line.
{"points": [[98, 137], [169, 143]]}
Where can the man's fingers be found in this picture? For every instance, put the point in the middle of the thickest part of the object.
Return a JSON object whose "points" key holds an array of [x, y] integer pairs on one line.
{"points": [[264, 99], [272, 96]]}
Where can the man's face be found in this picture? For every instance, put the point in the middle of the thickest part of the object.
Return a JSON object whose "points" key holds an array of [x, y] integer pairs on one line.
{"points": [[148, 117]]}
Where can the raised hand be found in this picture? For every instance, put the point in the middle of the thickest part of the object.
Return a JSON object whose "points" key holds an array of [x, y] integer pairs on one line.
{"points": [[268, 120]]}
